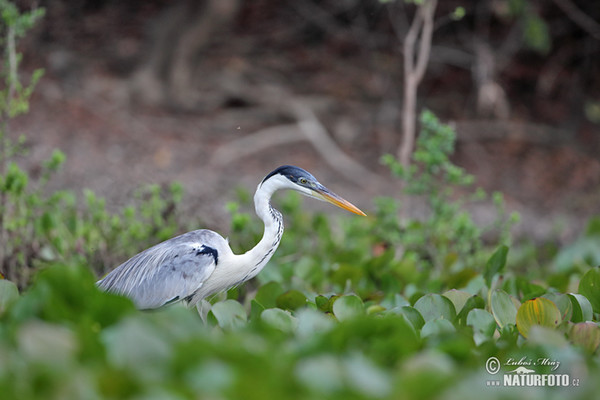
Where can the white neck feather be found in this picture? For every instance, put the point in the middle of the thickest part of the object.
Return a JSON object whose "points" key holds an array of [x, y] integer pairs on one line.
{"points": [[254, 260]]}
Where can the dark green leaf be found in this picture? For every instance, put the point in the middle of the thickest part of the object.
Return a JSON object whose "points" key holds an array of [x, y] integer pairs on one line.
{"points": [[495, 265], [291, 300]]}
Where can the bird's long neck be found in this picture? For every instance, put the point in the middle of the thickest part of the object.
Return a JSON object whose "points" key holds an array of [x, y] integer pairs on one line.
{"points": [[256, 258]]}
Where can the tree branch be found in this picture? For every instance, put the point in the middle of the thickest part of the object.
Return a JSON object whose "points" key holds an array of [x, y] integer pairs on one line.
{"points": [[579, 17], [413, 74]]}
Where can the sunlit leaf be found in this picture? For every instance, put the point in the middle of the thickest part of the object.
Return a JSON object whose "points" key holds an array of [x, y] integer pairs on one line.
{"points": [[540, 311]]}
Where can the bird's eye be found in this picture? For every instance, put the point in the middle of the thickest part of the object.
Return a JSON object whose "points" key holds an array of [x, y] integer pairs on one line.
{"points": [[302, 181]]}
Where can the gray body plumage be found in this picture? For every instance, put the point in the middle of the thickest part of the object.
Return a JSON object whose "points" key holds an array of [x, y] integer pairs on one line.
{"points": [[169, 271]]}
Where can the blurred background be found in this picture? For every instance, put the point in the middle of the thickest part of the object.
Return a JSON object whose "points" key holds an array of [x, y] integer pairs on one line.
{"points": [[214, 94]]}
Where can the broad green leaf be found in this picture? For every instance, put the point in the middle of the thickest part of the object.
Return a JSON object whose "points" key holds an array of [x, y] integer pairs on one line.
{"points": [[411, 314], [322, 303], [437, 326], [432, 306], [563, 303], [8, 294], [472, 303], [587, 335], [279, 319], [582, 308], [229, 314], [495, 264], [589, 286], [255, 310], [268, 293], [503, 308], [348, 306], [483, 323], [458, 298], [540, 311], [291, 300]]}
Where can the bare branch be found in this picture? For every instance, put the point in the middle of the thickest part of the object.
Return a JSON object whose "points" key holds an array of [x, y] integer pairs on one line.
{"points": [[580, 18], [427, 10], [413, 74]]}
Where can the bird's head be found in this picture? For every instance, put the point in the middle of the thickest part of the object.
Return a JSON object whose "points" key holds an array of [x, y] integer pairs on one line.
{"points": [[291, 177]]}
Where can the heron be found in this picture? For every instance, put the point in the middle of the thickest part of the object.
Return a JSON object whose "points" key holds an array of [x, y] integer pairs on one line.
{"points": [[200, 263]]}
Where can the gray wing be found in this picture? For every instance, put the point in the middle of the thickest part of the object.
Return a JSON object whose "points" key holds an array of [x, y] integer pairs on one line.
{"points": [[170, 271]]}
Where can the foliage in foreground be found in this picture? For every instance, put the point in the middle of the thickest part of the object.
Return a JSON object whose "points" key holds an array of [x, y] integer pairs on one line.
{"points": [[65, 339]]}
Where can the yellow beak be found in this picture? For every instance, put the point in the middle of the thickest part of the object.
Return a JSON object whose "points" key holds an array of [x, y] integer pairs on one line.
{"points": [[325, 194]]}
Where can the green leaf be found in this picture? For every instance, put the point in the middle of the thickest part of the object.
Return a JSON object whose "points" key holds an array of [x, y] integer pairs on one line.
{"points": [[8, 294], [458, 298], [323, 303], [589, 286], [279, 319], [563, 302], [267, 294], [437, 326], [503, 308], [495, 264], [432, 306], [587, 335], [536, 34], [255, 310], [291, 300], [411, 314], [229, 314], [582, 308], [483, 323], [540, 311], [348, 306], [473, 302]]}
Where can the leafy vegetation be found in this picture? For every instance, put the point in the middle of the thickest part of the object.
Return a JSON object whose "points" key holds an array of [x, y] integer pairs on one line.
{"points": [[383, 307]]}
